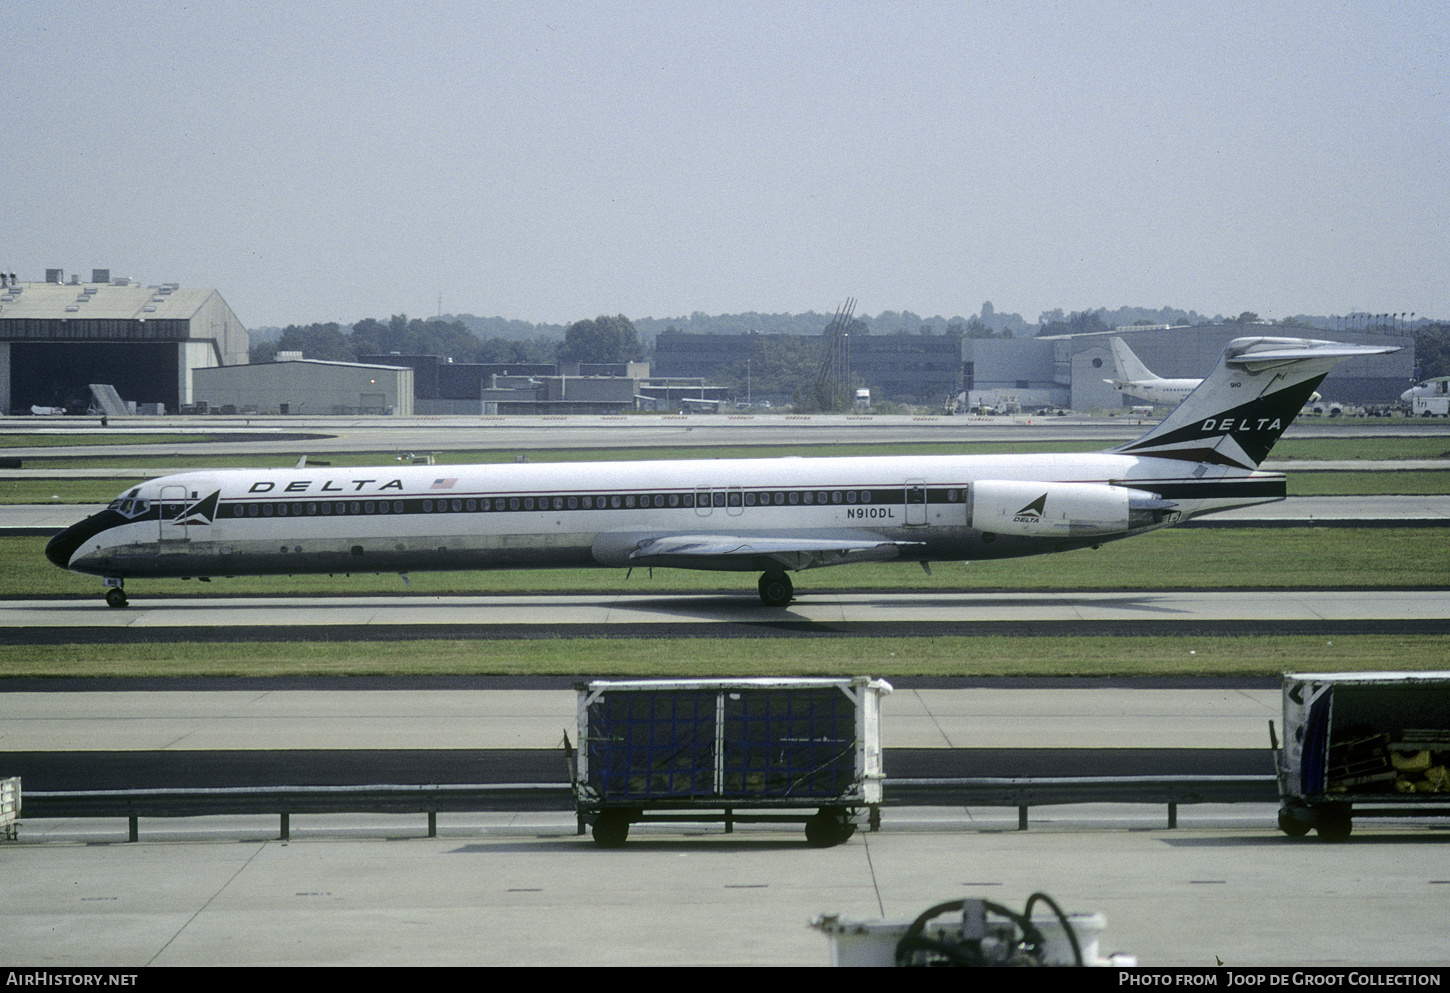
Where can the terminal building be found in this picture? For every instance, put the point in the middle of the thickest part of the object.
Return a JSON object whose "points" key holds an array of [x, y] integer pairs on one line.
{"points": [[59, 337], [905, 368]]}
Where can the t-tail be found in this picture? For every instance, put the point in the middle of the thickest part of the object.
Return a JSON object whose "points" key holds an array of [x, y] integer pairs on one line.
{"points": [[1130, 367], [1237, 414]]}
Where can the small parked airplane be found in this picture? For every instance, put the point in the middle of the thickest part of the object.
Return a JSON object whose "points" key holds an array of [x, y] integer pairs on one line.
{"points": [[745, 515], [1135, 380], [1437, 387]]}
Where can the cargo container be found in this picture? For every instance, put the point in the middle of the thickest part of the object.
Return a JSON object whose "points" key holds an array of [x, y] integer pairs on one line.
{"points": [[1368, 744], [732, 750]]}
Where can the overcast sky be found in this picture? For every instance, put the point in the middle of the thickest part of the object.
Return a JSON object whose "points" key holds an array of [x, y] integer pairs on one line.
{"points": [[329, 161]]}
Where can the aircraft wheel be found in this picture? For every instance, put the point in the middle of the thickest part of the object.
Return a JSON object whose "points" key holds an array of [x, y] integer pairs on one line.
{"points": [[776, 589], [611, 829], [116, 597]]}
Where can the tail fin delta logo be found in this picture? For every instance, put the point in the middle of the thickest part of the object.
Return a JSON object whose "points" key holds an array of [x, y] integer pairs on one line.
{"points": [[1032, 512]]}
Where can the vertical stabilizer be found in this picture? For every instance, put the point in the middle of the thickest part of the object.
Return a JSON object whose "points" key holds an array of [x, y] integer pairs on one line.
{"points": [[1130, 367], [109, 400], [1237, 414]]}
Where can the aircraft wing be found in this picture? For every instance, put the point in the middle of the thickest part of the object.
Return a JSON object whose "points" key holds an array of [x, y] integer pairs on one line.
{"points": [[792, 553]]}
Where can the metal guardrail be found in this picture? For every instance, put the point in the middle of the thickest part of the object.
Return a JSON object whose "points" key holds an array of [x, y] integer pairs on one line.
{"points": [[1045, 791], [434, 799], [288, 800]]}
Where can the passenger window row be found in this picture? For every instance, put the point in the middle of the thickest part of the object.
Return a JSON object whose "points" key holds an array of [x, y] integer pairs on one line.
{"points": [[618, 501]]}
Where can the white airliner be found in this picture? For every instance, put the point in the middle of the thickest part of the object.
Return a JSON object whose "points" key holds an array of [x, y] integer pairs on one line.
{"points": [[1437, 387], [1136, 380], [748, 515]]}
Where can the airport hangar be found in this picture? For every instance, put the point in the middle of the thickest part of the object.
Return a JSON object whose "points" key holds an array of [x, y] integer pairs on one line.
{"points": [[166, 349], [1069, 370], [59, 337]]}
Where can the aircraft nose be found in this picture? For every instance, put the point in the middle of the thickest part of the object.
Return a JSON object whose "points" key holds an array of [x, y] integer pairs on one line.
{"points": [[62, 548]]}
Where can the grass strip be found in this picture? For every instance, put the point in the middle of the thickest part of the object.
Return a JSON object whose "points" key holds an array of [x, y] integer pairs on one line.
{"points": [[787, 656], [1294, 449]]}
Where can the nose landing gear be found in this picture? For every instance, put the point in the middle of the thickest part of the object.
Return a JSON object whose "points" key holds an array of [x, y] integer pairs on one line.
{"points": [[115, 595]]}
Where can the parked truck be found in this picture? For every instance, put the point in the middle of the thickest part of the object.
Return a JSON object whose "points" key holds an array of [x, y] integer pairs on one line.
{"points": [[1430, 398], [1430, 406]]}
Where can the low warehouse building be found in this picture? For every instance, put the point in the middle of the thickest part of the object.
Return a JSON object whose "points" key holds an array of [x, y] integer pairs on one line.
{"points": [[307, 386]]}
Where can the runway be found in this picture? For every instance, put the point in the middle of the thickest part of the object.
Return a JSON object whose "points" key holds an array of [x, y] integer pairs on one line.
{"points": [[140, 734], [643, 615], [321, 436]]}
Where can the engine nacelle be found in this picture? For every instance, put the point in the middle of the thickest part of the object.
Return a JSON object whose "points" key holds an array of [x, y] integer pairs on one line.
{"points": [[1060, 510]]}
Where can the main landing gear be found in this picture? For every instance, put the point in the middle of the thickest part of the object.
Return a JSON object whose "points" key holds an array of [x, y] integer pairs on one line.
{"points": [[776, 589]]}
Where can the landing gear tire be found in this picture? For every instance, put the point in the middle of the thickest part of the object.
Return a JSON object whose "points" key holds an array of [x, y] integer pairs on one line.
{"points": [[828, 829], [116, 597], [776, 589]]}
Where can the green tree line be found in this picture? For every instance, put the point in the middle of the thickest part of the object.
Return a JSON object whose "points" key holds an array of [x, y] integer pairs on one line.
{"points": [[1432, 349], [452, 339]]}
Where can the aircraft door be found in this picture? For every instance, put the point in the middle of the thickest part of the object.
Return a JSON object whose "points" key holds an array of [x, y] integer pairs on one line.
{"points": [[915, 503], [171, 518], [702, 501]]}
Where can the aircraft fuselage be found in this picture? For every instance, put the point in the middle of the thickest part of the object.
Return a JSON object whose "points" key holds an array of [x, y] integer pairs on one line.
{"points": [[401, 519]]}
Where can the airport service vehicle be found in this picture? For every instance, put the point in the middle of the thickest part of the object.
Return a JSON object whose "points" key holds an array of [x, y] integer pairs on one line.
{"points": [[1430, 406], [732, 750], [771, 516], [1372, 744]]}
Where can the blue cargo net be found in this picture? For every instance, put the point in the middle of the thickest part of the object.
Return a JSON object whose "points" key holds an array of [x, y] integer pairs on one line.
{"points": [[733, 743]]}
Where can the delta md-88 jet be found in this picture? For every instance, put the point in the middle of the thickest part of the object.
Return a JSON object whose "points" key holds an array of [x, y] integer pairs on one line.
{"points": [[771, 516]]}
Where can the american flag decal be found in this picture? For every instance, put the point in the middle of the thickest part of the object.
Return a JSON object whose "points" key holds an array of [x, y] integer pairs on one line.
{"points": [[443, 484]]}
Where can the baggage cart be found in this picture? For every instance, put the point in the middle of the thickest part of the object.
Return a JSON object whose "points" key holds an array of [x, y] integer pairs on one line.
{"points": [[1369, 744], [732, 750]]}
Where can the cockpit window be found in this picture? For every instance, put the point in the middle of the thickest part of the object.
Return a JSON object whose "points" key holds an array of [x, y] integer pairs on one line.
{"points": [[128, 507]]}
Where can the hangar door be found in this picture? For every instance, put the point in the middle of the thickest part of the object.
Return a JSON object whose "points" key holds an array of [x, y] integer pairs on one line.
{"points": [[59, 374]]}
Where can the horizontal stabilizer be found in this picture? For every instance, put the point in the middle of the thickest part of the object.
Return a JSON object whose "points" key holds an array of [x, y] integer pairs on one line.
{"points": [[1264, 353]]}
